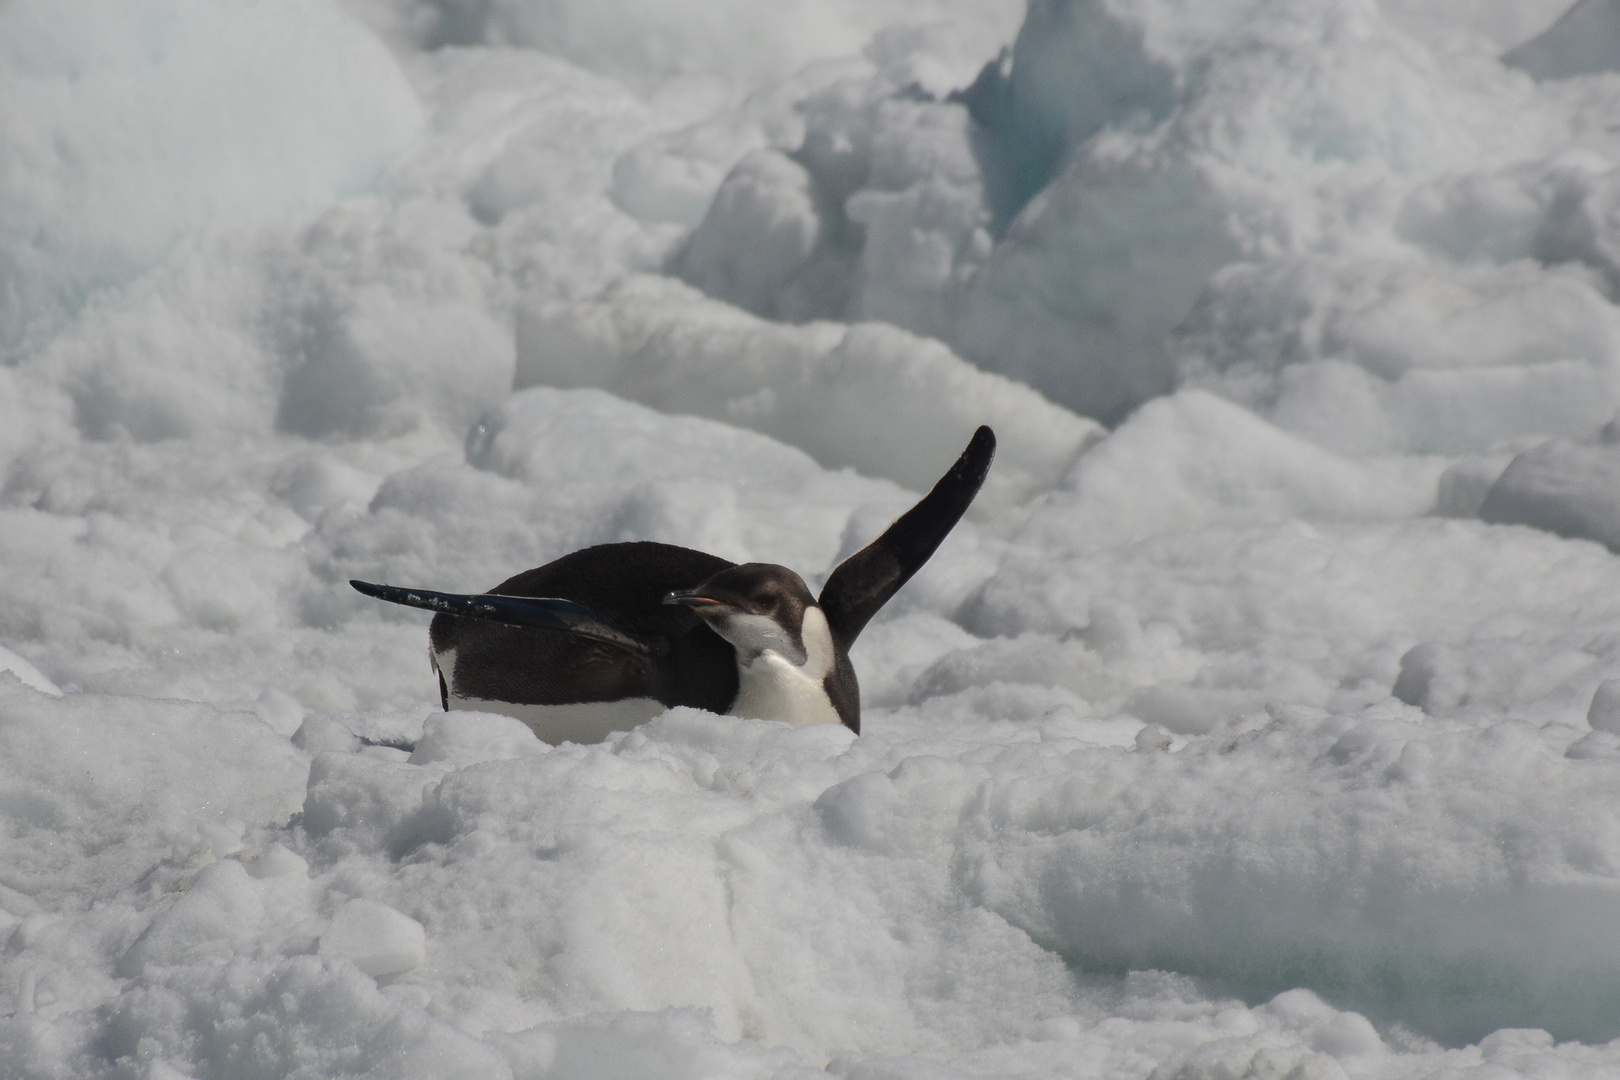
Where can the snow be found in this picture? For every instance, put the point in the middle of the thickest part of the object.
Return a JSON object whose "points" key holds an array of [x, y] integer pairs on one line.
{"points": [[376, 938], [27, 674], [131, 126], [1585, 40], [1563, 487], [1262, 718]]}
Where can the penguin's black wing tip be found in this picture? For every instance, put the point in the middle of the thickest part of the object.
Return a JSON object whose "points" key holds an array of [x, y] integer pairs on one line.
{"points": [[983, 443], [534, 612], [865, 581]]}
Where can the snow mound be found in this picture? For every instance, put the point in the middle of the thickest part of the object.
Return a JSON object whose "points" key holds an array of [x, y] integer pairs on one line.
{"points": [[1585, 40], [1134, 199], [98, 795], [1043, 854], [1192, 460], [867, 396], [1568, 488], [1217, 623], [26, 673], [650, 45], [375, 938], [127, 126]]}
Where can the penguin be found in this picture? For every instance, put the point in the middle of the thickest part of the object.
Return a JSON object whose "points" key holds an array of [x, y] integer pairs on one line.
{"points": [[607, 637]]}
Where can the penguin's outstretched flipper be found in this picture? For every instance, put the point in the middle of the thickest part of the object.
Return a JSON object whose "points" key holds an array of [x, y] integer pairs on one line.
{"points": [[866, 580], [534, 612]]}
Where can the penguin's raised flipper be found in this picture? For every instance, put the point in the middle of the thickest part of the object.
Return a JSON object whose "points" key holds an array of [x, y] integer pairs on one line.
{"points": [[545, 613], [865, 581]]}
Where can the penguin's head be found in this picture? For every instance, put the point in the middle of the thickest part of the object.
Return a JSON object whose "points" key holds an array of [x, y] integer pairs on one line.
{"points": [[758, 607]]}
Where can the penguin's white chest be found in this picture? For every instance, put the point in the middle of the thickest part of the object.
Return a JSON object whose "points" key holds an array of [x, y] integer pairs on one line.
{"points": [[772, 687]]}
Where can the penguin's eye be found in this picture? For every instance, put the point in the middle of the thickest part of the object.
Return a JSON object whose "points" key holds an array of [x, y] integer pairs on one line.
{"points": [[765, 602]]}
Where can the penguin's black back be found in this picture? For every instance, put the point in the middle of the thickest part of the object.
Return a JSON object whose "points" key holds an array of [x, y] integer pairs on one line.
{"points": [[624, 585]]}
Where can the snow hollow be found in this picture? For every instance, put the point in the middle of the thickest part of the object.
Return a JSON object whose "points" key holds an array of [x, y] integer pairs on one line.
{"points": [[1262, 720]]}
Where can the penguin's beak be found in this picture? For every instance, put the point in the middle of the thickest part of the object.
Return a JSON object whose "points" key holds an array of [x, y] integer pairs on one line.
{"points": [[699, 603]]}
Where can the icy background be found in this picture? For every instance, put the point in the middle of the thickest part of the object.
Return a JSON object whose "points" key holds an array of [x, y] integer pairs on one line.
{"points": [[1262, 721]]}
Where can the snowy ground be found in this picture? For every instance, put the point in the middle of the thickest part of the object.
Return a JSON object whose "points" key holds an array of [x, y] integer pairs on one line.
{"points": [[1270, 730]]}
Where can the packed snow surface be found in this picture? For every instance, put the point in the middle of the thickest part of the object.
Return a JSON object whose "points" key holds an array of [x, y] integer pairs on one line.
{"points": [[1261, 720]]}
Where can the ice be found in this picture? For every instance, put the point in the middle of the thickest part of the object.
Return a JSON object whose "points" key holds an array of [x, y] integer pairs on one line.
{"points": [[1585, 40], [108, 788], [1192, 460], [1503, 23], [1564, 487], [26, 673], [648, 44], [1260, 720], [376, 938], [129, 126], [881, 400], [1071, 236]]}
